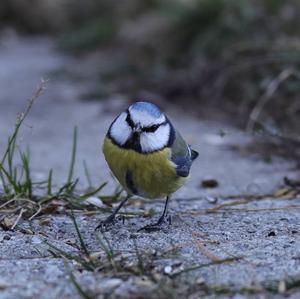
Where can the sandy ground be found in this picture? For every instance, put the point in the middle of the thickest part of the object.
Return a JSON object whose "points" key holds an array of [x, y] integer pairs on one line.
{"points": [[261, 236]]}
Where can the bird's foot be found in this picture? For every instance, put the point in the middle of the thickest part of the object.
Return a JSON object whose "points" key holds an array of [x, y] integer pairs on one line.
{"points": [[104, 225], [157, 226]]}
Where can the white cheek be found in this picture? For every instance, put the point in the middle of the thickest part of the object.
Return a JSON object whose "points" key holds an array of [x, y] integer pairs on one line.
{"points": [[120, 130], [154, 141]]}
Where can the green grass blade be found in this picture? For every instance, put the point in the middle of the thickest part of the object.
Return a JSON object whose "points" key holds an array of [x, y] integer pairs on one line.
{"points": [[87, 174], [11, 181], [92, 193], [73, 156], [49, 183], [82, 243], [56, 252], [21, 119], [9, 176], [80, 290], [3, 181], [10, 156], [107, 248], [27, 184]]}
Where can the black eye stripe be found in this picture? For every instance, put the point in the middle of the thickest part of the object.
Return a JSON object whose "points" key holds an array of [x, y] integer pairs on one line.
{"points": [[129, 120], [150, 129], [153, 128]]}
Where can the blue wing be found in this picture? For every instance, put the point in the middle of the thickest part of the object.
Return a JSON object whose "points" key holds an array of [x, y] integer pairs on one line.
{"points": [[182, 155]]}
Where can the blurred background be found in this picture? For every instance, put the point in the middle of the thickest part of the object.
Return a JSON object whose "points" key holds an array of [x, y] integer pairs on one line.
{"points": [[220, 58], [223, 70]]}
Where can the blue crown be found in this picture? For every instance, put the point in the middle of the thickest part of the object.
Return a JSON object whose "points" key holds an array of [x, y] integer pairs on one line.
{"points": [[152, 109]]}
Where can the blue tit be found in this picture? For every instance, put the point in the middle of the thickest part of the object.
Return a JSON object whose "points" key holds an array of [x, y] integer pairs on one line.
{"points": [[147, 155]]}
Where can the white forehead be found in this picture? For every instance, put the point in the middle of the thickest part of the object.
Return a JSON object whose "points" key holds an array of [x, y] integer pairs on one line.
{"points": [[120, 131], [146, 115]]}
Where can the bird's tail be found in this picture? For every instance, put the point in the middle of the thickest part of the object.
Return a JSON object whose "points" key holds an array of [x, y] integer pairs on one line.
{"points": [[194, 154]]}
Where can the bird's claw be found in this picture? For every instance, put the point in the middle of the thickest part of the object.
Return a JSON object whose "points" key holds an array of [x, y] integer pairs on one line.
{"points": [[150, 228], [109, 222], [157, 226], [105, 224]]}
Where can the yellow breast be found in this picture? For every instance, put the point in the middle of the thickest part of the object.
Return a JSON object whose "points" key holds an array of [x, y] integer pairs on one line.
{"points": [[153, 175]]}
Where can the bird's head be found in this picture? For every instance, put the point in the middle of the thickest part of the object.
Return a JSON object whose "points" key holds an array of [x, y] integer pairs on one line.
{"points": [[143, 127]]}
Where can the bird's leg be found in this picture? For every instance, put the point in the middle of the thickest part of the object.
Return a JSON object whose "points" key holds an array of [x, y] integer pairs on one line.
{"points": [[157, 225], [111, 218], [162, 217]]}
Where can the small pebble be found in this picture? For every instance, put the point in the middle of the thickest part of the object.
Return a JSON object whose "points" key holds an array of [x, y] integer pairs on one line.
{"points": [[282, 287], [271, 234], [211, 199], [110, 284], [168, 270], [200, 281]]}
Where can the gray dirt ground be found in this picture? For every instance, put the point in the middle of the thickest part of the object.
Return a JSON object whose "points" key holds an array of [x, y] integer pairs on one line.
{"points": [[250, 250]]}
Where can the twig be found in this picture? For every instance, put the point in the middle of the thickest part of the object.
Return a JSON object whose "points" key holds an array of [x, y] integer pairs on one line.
{"points": [[36, 213], [219, 262], [232, 210], [229, 204], [187, 244], [264, 209], [17, 199], [271, 132], [18, 218], [204, 250], [267, 96], [23, 115], [7, 203]]}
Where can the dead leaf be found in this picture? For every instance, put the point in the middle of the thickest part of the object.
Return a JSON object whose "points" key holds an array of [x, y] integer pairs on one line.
{"points": [[45, 221], [8, 222], [95, 201], [209, 183]]}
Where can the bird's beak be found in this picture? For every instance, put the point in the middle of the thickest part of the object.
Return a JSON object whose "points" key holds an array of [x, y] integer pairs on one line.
{"points": [[137, 129]]}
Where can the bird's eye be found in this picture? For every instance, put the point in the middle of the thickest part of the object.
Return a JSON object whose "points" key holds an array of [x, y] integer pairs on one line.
{"points": [[129, 121], [151, 129]]}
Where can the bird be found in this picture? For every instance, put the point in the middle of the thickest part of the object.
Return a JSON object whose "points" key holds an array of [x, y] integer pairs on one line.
{"points": [[147, 155]]}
